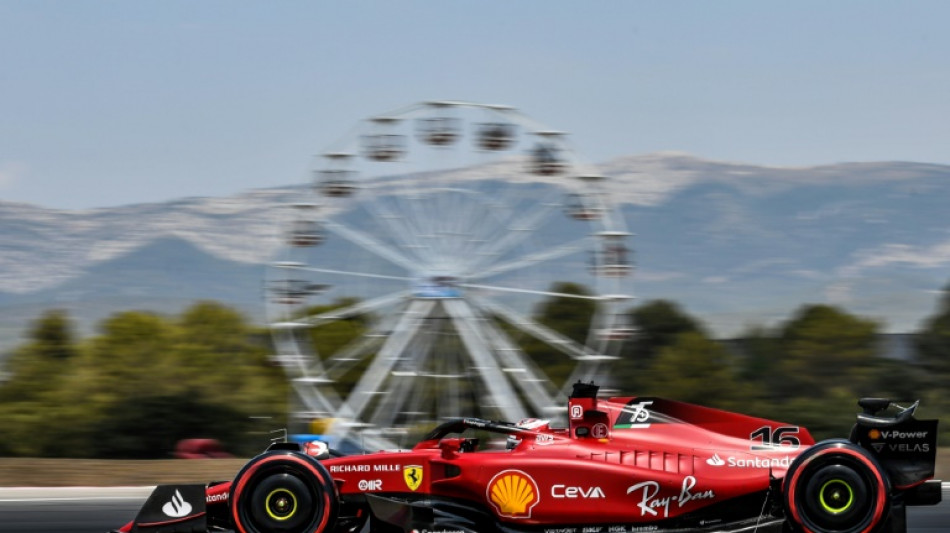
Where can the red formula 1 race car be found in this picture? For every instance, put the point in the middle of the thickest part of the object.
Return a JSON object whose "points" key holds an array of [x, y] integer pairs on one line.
{"points": [[622, 465]]}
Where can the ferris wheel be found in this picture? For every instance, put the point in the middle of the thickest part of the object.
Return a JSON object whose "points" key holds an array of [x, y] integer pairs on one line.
{"points": [[434, 231]]}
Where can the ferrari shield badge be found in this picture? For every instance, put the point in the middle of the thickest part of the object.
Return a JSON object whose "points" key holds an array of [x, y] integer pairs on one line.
{"points": [[413, 476]]}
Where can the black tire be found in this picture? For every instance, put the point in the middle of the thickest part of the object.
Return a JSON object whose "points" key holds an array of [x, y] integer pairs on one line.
{"points": [[283, 492], [836, 487]]}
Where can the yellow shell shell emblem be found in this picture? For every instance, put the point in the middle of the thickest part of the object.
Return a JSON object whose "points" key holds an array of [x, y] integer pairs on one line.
{"points": [[513, 493]]}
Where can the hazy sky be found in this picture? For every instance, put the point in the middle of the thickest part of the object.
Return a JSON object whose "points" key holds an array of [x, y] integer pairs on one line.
{"points": [[105, 103]]}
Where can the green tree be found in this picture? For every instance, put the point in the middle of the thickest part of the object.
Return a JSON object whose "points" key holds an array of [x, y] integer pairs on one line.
{"points": [[121, 391], [35, 368], [932, 343], [216, 351], [36, 372], [932, 349], [657, 324], [696, 369], [52, 336], [330, 338], [148, 426], [567, 315], [825, 348], [828, 359], [761, 354]]}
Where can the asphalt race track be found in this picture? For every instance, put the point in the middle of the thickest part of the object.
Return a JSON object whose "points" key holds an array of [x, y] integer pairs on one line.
{"points": [[72, 509], [98, 510]]}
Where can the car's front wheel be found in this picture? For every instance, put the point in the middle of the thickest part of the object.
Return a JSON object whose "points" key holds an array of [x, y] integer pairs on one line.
{"points": [[283, 492], [836, 487]]}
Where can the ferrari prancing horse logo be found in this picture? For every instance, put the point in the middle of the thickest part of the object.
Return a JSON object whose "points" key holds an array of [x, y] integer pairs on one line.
{"points": [[413, 476]]}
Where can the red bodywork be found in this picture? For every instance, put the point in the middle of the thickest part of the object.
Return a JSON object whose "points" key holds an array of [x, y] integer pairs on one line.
{"points": [[624, 460], [630, 459]]}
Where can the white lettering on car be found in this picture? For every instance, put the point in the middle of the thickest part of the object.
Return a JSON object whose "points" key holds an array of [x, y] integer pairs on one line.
{"points": [[370, 484], [564, 491], [650, 503]]}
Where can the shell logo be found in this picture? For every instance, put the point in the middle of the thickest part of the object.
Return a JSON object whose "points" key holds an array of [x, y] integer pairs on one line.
{"points": [[513, 493], [874, 434]]}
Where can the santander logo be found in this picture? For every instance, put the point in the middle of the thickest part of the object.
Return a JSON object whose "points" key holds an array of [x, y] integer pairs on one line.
{"points": [[177, 507]]}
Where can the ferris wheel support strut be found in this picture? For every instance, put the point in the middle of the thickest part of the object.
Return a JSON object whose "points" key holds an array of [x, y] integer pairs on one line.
{"points": [[409, 325], [515, 237], [369, 244], [356, 309], [530, 378], [400, 386], [549, 336], [497, 384], [547, 255]]}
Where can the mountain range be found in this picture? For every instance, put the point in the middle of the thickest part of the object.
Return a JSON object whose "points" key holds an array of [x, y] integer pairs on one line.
{"points": [[735, 244]]}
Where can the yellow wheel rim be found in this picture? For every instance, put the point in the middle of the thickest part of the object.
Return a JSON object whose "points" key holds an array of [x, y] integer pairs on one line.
{"points": [[285, 503], [836, 496]]}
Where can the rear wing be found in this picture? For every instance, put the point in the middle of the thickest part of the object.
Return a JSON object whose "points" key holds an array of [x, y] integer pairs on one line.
{"points": [[906, 447]]}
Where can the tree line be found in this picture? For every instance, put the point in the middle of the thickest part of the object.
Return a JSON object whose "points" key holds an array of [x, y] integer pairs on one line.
{"points": [[144, 381]]}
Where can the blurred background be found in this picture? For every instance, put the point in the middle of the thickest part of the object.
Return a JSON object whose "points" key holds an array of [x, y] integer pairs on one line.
{"points": [[217, 220]]}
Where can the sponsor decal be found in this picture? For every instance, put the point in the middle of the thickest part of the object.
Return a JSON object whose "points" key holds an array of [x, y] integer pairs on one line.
{"points": [[349, 468], [577, 412], [599, 431], [904, 447], [560, 530], [781, 437], [635, 415], [899, 447], [544, 440], [565, 491], [475, 423], [365, 468], [750, 462], [437, 531], [903, 435], [177, 507], [214, 498], [513, 493], [651, 503], [370, 484], [591, 529], [413, 476]]}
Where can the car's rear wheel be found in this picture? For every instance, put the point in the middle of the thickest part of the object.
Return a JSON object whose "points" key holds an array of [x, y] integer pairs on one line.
{"points": [[283, 492], [836, 487]]}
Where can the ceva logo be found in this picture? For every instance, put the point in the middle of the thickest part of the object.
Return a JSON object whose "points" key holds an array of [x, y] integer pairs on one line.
{"points": [[177, 507], [715, 460]]}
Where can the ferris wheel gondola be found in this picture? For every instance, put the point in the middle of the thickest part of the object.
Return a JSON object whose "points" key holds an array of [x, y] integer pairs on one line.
{"points": [[336, 178]]}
